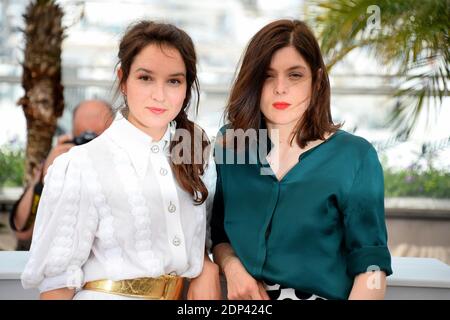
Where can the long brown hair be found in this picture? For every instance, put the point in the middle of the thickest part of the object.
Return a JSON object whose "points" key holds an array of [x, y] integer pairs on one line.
{"points": [[142, 34], [243, 107]]}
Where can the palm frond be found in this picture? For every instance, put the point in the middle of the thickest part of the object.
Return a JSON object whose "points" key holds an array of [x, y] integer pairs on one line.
{"points": [[413, 40]]}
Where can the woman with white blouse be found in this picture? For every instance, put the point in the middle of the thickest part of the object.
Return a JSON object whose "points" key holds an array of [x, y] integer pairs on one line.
{"points": [[125, 216]]}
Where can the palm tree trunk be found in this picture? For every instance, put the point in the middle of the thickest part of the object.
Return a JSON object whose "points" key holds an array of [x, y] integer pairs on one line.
{"points": [[43, 102]]}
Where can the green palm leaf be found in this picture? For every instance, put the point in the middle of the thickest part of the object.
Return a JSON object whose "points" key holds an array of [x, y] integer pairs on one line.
{"points": [[413, 41]]}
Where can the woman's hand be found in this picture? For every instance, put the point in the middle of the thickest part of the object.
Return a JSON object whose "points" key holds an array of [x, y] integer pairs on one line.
{"points": [[241, 285], [207, 285]]}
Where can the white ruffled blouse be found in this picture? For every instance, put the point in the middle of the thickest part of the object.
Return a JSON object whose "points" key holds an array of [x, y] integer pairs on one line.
{"points": [[112, 209]]}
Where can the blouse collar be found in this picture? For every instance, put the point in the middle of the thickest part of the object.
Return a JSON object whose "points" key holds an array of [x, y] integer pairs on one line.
{"points": [[138, 144]]}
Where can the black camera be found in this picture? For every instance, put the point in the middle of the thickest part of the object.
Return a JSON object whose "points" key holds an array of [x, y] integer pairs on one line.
{"points": [[83, 138]]}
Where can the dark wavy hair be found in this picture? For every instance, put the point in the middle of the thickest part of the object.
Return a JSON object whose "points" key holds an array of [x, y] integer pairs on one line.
{"points": [[243, 107], [136, 38]]}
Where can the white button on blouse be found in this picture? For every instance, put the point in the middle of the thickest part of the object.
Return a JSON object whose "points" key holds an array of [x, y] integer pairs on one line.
{"points": [[112, 209]]}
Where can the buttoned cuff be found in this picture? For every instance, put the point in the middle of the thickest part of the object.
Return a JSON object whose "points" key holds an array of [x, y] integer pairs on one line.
{"points": [[71, 279]]}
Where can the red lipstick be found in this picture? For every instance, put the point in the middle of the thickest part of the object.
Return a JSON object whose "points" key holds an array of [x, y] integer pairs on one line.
{"points": [[157, 110], [281, 105]]}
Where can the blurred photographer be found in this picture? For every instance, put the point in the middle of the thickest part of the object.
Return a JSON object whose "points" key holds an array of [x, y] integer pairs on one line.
{"points": [[89, 119]]}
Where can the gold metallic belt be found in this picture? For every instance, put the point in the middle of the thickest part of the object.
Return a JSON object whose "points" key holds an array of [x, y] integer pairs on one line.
{"points": [[165, 287]]}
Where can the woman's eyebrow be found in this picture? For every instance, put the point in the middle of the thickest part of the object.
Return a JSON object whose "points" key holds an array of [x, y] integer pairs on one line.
{"points": [[176, 74], [290, 68], [143, 69], [296, 67]]}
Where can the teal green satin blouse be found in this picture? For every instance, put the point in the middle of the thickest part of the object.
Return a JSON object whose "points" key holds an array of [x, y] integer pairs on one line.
{"points": [[314, 230]]}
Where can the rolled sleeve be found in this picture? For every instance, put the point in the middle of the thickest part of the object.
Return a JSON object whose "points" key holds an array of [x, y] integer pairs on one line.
{"points": [[364, 220]]}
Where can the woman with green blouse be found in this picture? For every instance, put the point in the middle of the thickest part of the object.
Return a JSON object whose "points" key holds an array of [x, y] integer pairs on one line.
{"points": [[304, 220]]}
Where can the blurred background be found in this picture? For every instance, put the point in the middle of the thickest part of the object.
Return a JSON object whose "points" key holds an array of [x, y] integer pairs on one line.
{"points": [[389, 73]]}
